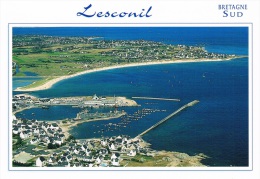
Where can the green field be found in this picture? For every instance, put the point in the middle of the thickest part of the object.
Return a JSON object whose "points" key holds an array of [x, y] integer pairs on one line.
{"points": [[49, 56]]}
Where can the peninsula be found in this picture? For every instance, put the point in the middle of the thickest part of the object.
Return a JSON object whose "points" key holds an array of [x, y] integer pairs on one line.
{"points": [[58, 58]]}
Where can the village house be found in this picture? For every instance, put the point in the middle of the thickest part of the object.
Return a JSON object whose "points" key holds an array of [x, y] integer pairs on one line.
{"points": [[88, 152], [40, 162], [24, 135], [112, 146], [115, 162], [103, 151], [132, 153], [34, 140], [16, 130]]}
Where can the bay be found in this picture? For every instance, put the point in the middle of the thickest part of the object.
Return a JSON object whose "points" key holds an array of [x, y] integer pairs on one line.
{"points": [[217, 126]]}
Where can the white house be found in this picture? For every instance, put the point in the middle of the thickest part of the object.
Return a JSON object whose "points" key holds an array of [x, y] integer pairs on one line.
{"points": [[115, 155], [103, 151], [119, 137], [98, 160], [126, 140], [88, 159], [54, 126], [112, 147], [15, 130], [21, 127], [34, 140], [95, 97], [132, 153], [83, 147], [88, 152], [14, 118], [76, 151], [103, 143], [69, 158], [36, 131], [40, 161], [58, 141], [23, 135], [124, 148], [29, 124], [115, 162], [51, 160]]}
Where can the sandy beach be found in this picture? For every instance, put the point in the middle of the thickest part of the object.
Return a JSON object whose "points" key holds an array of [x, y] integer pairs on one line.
{"points": [[50, 83]]}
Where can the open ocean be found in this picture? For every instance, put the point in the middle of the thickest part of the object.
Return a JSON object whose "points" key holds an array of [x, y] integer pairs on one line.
{"points": [[217, 126]]}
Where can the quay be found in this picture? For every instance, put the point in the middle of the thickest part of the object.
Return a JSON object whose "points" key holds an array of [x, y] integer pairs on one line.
{"points": [[24, 101], [166, 99], [170, 116]]}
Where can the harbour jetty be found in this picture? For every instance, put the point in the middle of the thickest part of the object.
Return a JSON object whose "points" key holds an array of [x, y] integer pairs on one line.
{"points": [[168, 117], [166, 99], [24, 101]]}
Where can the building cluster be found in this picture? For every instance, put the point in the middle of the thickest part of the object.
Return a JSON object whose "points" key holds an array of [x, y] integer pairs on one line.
{"points": [[22, 101], [58, 149], [43, 40], [38, 132], [109, 44], [106, 152], [195, 52], [121, 50], [136, 50], [152, 52], [73, 54]]}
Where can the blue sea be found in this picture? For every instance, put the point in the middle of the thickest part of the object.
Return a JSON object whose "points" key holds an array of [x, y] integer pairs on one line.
{"points": [[217, 126]]}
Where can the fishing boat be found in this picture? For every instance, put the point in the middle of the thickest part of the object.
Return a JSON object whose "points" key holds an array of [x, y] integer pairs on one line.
{"points": [[45, 107]]}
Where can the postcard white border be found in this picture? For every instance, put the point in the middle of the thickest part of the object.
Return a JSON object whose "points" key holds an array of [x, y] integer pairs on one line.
{"points": [[250, 95]]}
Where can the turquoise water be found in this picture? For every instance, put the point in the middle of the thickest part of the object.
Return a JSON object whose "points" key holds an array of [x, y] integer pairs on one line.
{"points": [[23, 81]]}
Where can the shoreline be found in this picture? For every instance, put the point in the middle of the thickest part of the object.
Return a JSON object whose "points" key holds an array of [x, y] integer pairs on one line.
{"points": [[66, 127], [175, 159], [51, 82]]}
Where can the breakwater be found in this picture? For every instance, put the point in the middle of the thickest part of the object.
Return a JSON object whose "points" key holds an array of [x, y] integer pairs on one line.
{"points": [[169, 116], [166, 99]]}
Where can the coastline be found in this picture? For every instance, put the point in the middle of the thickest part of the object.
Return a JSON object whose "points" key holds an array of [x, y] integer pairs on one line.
{"points": [[159, 158], [51, 82], [68, 126], [154, 158]]}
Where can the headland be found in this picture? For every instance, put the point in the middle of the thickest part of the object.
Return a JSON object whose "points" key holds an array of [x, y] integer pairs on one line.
{"points": [[60, 58]]}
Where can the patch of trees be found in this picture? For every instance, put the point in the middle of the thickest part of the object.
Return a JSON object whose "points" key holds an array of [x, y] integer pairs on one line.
{"points": [[71, 138], [53, 146], [19, 143], [19, 164]]}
